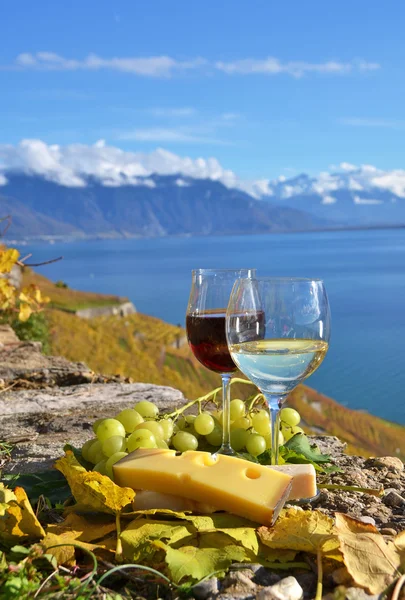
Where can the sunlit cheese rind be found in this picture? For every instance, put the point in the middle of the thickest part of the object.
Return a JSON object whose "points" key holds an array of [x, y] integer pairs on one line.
{"points": [[304, 480], [232, 484]]}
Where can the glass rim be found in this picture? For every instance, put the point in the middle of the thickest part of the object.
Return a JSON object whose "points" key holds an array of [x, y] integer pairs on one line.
{"points": [[284, 279], [212, 271]]}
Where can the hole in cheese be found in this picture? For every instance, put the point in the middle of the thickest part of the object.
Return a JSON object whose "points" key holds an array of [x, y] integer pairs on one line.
{"points": [[252, 473], [204, 459]]}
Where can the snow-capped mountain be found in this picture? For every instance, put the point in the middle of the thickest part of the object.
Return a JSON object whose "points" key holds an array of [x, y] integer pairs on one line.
{"points": [[349, 196]]}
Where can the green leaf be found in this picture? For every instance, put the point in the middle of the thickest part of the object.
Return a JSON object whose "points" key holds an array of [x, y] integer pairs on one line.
{"points": [[299, 443], [194, 563], [236, 528], [137, 537], [50, 484]]}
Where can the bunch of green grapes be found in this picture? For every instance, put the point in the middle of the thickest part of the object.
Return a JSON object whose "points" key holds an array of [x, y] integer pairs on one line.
{"points": [[143, 427]]}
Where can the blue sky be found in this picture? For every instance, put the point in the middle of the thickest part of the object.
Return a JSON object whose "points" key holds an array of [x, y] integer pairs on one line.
{"points": [[268, 88]]}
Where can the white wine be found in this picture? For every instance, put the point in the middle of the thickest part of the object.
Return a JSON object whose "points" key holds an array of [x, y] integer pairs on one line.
{"points": [[277, 365]]}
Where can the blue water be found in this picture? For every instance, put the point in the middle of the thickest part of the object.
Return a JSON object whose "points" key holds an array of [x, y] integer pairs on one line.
{"points": [[364, 272]]}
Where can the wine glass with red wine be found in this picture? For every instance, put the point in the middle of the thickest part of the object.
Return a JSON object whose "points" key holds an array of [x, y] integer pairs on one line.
{"points": [[205, 324]]}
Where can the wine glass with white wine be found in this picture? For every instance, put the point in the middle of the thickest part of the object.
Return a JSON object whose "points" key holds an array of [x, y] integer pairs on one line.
{"points": [[278, 332]]}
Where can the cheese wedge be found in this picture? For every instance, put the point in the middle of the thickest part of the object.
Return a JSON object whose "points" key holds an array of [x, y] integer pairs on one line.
{"points": [[232, 484], [145, 500], [304, 480]]}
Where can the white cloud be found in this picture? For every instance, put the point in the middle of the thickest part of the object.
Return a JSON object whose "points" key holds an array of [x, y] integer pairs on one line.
{"points": [[3, 180], [180, 135], [345, 166], [274, 66], [152, 66], [393, 181], [358, 200], [181, 183], [166, 66], [70, 165], [328, 200]]}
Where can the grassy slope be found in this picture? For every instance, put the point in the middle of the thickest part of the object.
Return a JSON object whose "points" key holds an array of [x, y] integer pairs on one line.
{"points": [[144, 348]]}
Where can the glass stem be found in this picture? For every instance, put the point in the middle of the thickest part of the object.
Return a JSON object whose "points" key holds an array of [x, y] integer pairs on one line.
{"points": [[226, 447], [274, 403]]}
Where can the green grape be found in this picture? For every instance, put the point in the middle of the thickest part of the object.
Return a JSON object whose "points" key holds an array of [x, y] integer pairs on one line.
{"points": [[215, 437], [111, 461], [176, 428], [153, 426], [183, 441], [95, 452], [100, 467], [148, 410], [218, 416], [96, 424], [268, 440], [114, 444], [130, 418], [289, 432], [204, 423], [241, 423], [237, 409], [141, 438], [238, 439], [86, 447], [168, 428], [290, 416], [161, 443], [255, 444], [186, 422], [108, 428], [261, 422]]}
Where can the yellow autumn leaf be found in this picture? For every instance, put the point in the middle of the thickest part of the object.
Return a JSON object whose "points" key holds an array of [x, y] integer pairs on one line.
{"points": [[25, 312], [6, 495], [17, 519], [372, 563], [239, 529], [8, 258], [92, 532], [92, 490], [303, 531], [399, 542]]}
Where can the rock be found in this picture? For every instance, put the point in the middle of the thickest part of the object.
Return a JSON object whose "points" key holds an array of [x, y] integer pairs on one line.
{"points": [[265, 577], [387, 531], [355, 593], [390, 462], [124, 309], [286, 589], [24, 363], [368, 520], [41, 422], [205, 589], [393, 499], [238, 584]]}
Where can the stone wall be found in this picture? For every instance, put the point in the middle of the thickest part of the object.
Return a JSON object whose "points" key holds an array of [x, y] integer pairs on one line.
{"points": [[122, 310]]}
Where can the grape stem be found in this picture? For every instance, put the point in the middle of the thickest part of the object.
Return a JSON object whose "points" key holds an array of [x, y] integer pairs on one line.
{"points": [[254, 400], [352, 488], [212, 394]]}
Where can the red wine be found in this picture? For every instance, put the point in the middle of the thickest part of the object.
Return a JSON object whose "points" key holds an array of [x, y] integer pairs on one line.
{"points": [[207, 339]]}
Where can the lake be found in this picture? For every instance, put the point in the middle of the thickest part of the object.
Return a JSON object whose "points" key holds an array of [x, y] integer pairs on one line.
{"points": [[364, 273]]}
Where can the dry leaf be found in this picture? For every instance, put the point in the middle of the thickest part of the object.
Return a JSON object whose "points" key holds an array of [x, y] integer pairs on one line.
{"points": [[371, 562], [399, 541], [93, 490], [18, 520], [302, 531]]}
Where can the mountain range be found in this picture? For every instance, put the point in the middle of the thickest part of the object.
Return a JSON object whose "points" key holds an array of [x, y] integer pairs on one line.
{"points": [[158, 205]]}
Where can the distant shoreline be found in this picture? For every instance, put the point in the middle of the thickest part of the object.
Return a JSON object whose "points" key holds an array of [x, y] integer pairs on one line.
{"points": [[51, 239]]}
